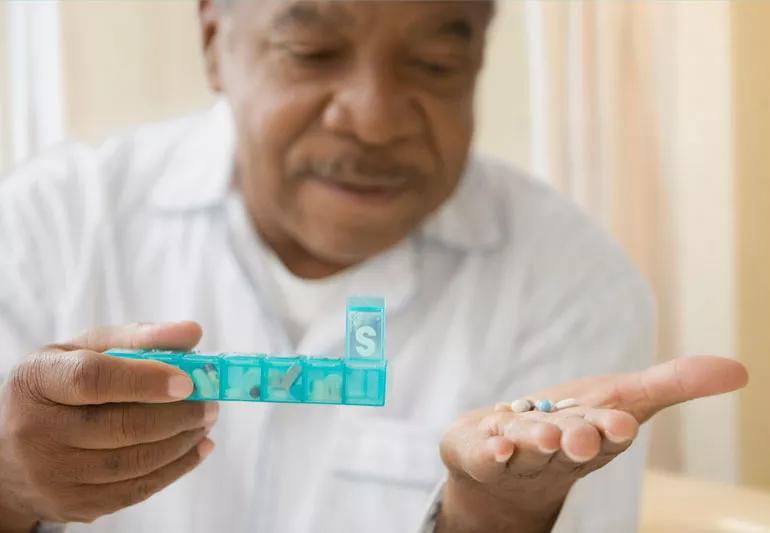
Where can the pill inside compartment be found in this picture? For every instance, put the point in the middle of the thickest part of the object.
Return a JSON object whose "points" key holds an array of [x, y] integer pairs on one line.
{"points": [[205, 372], [283, 379], [365, 382], [242, 376], [324, 378]]}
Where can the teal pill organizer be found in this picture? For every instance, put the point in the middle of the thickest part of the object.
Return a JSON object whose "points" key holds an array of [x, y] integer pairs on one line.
{"points": [[358, 379]]}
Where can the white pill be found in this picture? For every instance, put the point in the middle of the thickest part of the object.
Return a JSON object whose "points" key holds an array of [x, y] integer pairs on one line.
{"points": [[565, 404], [521, 406], [205, 387]]}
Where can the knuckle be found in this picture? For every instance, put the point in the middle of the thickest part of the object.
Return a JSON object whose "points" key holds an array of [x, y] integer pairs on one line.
{"points": [[90, 413], [125, 424], [139, 421], [142, 421], [141, 489], [130, 426], [147, 457], [113, 462], [118, 424], [143, 457], [195, 412], [87, 375]]}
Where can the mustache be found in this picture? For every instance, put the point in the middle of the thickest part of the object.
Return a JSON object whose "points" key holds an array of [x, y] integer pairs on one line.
{"points": [[366, 167]]}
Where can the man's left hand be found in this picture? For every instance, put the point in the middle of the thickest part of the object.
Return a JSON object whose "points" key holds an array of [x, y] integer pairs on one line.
{"points": [[512, 471]]}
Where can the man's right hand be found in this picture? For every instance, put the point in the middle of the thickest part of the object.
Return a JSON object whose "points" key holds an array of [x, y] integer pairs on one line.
{"points": [[83, 434]]}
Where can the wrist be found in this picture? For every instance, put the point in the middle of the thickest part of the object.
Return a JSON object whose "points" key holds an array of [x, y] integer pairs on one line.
{"points": [[467, 506]]}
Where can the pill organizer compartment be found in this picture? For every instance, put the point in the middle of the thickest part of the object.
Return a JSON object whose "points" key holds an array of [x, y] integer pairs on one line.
{"points": [[365, 382], [283, 379], [204, 370], [365, 328], [324, 379], [358, 379], [242, 377]]}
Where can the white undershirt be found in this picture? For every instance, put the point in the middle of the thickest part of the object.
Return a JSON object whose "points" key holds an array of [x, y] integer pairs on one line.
{"points": [[301, 301]]}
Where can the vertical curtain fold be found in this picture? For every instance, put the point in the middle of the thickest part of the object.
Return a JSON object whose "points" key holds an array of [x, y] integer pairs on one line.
{"points": [[597, 93], [32, 78]]}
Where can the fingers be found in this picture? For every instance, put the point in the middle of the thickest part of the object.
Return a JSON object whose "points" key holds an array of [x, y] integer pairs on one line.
{"points": [[111, 497], [580, 440], [577, 440], [536, 441], [85, 377], [170, 336], [118, 425], [109, 466], [618, 428], [485, 449], [682, 379]]}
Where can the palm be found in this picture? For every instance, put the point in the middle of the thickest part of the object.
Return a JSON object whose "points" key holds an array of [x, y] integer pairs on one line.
{"points": [[508, 455]]}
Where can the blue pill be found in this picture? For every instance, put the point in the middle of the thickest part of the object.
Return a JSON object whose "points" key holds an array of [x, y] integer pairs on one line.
{"points": [[544, 405]]}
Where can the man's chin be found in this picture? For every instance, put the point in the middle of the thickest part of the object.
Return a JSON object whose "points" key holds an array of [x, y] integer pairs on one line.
{"points": [[346, 249]]}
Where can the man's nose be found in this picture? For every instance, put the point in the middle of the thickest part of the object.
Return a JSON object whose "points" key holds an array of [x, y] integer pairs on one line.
{"points": [[375, 107]]}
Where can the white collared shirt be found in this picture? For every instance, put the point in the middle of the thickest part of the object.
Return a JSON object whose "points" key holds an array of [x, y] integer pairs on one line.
{"points": [[506, 289]]}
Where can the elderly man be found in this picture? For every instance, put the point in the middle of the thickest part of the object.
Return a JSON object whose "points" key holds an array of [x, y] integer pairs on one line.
{"points": [[337, 162]]}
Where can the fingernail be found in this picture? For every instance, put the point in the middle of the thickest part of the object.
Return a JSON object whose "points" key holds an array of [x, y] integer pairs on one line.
{"points": [[179, 387], [615, 439], [210, 412], [205, 447], [578, 458], [547, 451], [503, 457]]}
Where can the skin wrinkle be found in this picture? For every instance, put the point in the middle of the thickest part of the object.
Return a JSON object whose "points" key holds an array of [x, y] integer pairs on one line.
{"points": [[372, 105]]}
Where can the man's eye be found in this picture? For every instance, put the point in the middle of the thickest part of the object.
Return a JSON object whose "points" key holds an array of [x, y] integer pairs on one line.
{"points": [[434, 68], [315, 56]]}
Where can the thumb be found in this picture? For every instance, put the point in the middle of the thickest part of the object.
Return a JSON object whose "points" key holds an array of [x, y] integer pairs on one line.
{"points": [[682, 379], [172, 336]]}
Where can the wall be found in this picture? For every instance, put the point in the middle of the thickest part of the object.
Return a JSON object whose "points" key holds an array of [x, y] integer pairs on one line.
{"points": [[503, 110], [751, 39], [129, 62], [699, 174]]}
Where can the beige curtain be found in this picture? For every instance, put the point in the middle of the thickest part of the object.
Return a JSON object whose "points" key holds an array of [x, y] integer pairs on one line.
{"points": [[31, 99], [615, 127]]}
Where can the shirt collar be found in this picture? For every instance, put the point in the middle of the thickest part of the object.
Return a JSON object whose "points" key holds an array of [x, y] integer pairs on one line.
{"points": [[473, 218], [199, 166], [199, 173]]}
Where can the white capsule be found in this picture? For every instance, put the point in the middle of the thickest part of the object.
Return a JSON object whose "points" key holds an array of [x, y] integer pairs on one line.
{"points": [[521, 406], [203, 384], [565, 404]]}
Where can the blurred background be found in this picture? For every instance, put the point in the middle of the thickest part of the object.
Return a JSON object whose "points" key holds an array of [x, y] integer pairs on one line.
{"points": [[654, 116]]}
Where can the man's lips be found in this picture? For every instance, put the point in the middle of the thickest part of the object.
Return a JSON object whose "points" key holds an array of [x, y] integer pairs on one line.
{"points": [[367, 186]]}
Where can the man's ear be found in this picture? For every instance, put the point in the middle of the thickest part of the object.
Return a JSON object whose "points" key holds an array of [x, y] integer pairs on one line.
{"points": [[210, 19]]}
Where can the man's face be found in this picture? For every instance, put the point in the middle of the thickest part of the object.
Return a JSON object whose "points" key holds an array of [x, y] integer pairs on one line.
{"points": [[354, 119]]}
